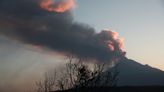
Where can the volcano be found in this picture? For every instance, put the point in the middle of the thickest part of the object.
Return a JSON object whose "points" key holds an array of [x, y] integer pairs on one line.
{"points": [[132, 73]]}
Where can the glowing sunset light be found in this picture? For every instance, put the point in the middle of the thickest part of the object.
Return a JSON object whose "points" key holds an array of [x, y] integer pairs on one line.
{"points": [[59, 6]]}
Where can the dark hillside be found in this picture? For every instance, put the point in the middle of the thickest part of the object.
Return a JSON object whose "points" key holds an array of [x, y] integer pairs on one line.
{"points": [[132, 73]]}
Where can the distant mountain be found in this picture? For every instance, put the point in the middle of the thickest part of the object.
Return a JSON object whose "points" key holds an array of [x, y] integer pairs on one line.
{"points": [[132, 73]]}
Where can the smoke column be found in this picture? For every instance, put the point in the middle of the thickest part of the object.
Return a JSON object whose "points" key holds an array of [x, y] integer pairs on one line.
{"points": [[49, 24]]}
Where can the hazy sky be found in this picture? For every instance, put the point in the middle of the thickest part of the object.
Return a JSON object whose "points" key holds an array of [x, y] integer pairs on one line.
{"points": [[139, 22]]}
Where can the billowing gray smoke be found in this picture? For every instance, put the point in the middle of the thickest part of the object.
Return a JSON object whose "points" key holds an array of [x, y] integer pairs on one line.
{"points": [[27, 22]]}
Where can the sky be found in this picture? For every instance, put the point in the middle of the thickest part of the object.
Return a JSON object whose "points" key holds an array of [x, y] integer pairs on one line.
{"points": [[139, 22]]}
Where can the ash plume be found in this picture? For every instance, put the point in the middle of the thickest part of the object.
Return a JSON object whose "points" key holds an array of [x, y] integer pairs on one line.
{"points": [[52, 26]]}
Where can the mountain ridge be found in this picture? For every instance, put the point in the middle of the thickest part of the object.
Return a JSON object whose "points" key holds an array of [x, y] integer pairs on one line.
{"points": [[132, 73]]}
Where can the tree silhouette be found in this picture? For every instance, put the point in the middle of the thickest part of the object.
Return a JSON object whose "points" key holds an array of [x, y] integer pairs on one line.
{"points": [[77, 74]]}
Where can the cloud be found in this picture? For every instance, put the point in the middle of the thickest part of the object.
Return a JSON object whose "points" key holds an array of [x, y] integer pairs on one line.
{"points": [[27, 22]]}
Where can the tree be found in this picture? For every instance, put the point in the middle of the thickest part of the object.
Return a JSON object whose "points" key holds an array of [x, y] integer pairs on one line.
{"points": [[77, 74], [47, 83]]}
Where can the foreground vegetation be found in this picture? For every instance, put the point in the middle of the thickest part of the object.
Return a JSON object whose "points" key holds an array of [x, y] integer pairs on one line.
{"points": [[76, 75]]}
